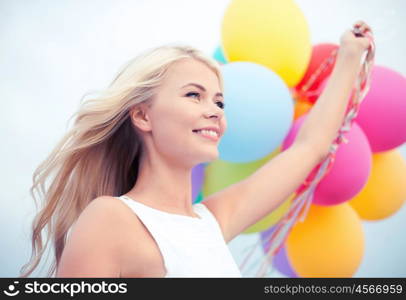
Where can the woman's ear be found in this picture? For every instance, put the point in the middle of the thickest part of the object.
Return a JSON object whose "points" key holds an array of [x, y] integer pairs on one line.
{"points": [[140, 118]]}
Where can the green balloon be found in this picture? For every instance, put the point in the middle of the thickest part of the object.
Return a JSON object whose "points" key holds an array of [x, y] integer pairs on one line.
{"points": [[219, 174], [199, 198]]}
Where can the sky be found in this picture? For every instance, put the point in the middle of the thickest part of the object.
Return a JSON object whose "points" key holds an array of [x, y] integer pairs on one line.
{"points": [[53, 52]]}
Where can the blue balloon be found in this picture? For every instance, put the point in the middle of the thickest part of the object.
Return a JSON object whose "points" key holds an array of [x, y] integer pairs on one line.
{"points": [[259, 112], [219, 55]]}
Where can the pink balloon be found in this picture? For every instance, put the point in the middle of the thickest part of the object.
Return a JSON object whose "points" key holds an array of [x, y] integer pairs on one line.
{"points": [[382, 114], [350, 170]]}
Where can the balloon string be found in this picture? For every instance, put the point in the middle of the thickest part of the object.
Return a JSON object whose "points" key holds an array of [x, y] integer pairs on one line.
{"points": [[288, 215], [278, 236], [304, 196]]}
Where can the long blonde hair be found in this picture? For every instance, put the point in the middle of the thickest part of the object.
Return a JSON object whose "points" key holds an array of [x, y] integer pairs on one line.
{"points": [[100, 154]]}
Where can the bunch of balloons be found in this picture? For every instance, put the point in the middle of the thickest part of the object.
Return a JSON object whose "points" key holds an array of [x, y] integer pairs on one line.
{"points": [[267, 61]]}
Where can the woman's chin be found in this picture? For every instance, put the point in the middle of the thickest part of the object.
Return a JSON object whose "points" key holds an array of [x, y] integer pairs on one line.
{"points": [[213, 157]]}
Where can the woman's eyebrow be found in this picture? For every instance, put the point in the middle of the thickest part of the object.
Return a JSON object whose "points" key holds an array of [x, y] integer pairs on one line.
{"points": [[200, 87]]}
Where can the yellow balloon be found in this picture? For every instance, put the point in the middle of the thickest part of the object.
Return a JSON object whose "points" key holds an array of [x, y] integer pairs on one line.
{"points": [[328, 243], [385, 191], [272, 218], [273, 33]]}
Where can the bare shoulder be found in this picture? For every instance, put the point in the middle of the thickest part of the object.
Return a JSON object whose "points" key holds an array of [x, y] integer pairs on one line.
{"points": [[98, 240], [104, 212]]}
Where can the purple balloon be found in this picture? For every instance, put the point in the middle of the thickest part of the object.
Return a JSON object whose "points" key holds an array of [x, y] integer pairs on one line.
{"points": [[280, 261], [197, 179]]}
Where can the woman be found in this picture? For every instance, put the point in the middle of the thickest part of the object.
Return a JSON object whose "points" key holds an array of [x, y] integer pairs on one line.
{"points": [[122, 174]]}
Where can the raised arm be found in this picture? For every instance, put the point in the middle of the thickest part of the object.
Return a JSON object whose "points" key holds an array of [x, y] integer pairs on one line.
{"points": [[326, 116], [243, 204]]}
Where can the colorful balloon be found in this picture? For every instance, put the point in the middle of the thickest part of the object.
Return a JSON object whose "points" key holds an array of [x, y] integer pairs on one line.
{"points": [[350, 171], [219, 174], [320, 53], [280, 261], [382, 114], [259, 112], [385, 192], [301, 108], [199, 198], [328, 243], [197, 179], [272, 33], [219, 55]]}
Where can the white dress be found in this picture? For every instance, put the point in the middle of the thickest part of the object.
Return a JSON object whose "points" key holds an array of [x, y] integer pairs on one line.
{"points": [[190, 246]]}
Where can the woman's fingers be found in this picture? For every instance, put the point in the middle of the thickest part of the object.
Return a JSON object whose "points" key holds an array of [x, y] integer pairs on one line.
{"points": [[363, 27]]}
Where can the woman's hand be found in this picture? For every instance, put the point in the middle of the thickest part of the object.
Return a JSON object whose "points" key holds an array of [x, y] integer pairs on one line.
{"points": [[356, 41]]}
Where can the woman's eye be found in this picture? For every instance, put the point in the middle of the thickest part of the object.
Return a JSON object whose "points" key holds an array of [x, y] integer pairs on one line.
{"points": [[192, 93], [222, 104]]}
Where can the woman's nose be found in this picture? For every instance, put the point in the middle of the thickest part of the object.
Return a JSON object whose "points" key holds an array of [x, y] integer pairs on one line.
{"points": [[214, 113]]}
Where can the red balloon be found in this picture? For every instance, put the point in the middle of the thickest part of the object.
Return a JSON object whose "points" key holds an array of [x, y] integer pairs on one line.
{"points": [[320, 53]]}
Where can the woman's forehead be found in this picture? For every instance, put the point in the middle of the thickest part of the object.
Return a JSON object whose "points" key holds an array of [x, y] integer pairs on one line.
{"points": [[189, 70]]}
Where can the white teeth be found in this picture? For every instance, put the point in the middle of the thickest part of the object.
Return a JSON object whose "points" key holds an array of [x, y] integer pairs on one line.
{"points": [[208, 132]]}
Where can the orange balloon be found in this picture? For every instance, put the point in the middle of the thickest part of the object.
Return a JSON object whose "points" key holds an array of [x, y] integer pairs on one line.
{"points": [[301, 108], [328, 243], [385, 191]]}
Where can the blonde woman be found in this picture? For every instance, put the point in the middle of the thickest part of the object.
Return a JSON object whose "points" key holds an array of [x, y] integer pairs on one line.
{"points": [[121, 177]]}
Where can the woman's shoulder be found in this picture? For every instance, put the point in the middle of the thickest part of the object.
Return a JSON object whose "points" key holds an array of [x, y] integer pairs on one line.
{"points": [[140, 255], [99, 240], [106, 211], [114, 219]]}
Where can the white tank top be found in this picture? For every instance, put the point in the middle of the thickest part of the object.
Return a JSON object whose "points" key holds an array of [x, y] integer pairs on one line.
{"points": [[190, 247]]}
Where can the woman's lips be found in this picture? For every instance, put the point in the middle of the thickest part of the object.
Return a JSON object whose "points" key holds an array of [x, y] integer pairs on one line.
{"points": [[207, 136]]}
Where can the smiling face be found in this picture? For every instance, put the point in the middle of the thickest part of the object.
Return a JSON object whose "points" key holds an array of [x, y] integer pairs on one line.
{"points": [[188, 99]]}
